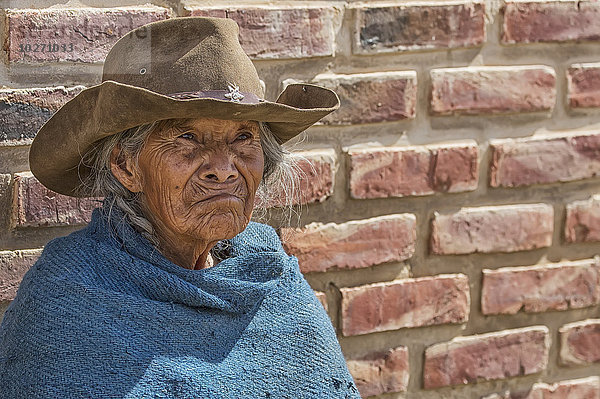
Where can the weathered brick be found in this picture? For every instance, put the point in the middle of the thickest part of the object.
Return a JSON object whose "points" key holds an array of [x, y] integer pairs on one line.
{"points": [[351, 245], [282, 32], [503, 395], [414, 302], [371, 97], [506, 228], [582, 388], [492, 90], [13, 266], [583, 220], [580, 342], [403, 171], [381, 372], [503, 354], [322, 297], [584, 85], [316, 177], [418, 27], [547, 159], [558, 286], [77, 34], [37, 206], [24, 111], [550, 21]]}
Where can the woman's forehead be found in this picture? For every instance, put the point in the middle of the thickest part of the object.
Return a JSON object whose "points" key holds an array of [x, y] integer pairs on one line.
{"points": [[215, 123], [172, 127]]}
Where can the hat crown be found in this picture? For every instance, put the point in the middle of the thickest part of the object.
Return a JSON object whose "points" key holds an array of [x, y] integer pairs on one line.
{"points": [[181, 55]]}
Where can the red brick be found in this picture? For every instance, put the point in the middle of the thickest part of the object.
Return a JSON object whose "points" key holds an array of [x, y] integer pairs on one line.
{"points": [[316, 177], [584, 85], [90, 31], [282, 32], [322, 297], [13, 266], [37, 206], [558, 286], [506, 228], [551, 21], [405, 303], [418, 27], [583, 221], [351, 245], [547, 159], [404, 171], [503, 354], [583, 388], [492, 90], [580, 342], [381, 372], [24, 111], [371, 97], [503, 395]]}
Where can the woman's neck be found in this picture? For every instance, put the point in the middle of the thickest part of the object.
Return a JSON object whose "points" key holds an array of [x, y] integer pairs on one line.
{"points": [[182, 250]]}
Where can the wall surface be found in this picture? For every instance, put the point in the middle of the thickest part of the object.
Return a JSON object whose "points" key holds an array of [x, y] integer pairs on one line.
{"points": [[451, 222]]}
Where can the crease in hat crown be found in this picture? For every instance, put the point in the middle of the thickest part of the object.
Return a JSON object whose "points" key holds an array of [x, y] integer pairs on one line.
{"points": [[184, 67]]}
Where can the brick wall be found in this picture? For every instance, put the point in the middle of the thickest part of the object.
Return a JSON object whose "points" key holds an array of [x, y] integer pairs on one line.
{"points": [[451, 223]]}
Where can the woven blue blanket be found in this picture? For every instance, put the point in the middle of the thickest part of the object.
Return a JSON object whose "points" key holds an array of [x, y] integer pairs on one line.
{"points": [[103, 314]]}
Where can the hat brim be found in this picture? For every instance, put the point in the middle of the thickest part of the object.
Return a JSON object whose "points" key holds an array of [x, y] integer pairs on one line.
{"points": [[110, 107]]}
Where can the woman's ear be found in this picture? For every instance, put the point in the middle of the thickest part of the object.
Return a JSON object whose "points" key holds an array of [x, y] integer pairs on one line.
{"points": [[123, 169]]}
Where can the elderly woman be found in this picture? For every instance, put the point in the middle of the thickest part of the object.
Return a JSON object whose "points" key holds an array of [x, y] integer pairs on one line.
{"points": [[171, 291]]}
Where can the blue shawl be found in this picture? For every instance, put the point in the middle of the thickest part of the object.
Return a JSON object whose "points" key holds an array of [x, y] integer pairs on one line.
{"points": [[102, 314]]}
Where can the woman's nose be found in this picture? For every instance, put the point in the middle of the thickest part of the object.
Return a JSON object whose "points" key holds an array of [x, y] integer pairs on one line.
{"points": [[219, 168]]}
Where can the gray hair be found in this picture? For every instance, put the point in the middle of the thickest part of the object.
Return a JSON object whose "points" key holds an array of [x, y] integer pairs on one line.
{"points": [[279, 184]]}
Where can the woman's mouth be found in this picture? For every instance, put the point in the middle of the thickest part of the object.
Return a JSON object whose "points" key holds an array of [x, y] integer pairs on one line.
{"points": [[218, 197]]}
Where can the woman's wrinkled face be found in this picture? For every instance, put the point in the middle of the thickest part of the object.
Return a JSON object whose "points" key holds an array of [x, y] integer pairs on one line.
{"points": [[199, 180]]}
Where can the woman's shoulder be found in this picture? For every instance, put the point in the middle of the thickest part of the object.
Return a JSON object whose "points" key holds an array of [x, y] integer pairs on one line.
{"points": [[60, 260], [68, 250]]}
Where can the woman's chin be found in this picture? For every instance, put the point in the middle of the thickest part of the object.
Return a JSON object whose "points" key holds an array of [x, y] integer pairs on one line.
{"points": [[220, 226]]}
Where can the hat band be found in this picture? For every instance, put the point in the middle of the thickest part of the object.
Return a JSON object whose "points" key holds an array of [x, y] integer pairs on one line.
{"points": [[235, 96]]}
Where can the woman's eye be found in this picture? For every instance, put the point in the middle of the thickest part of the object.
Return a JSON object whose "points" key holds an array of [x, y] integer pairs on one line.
{"points": [[187, 136], [244, 136]]}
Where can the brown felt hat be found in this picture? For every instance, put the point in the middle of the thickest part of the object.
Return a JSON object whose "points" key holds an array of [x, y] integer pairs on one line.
{"points": [[185, 67]]}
